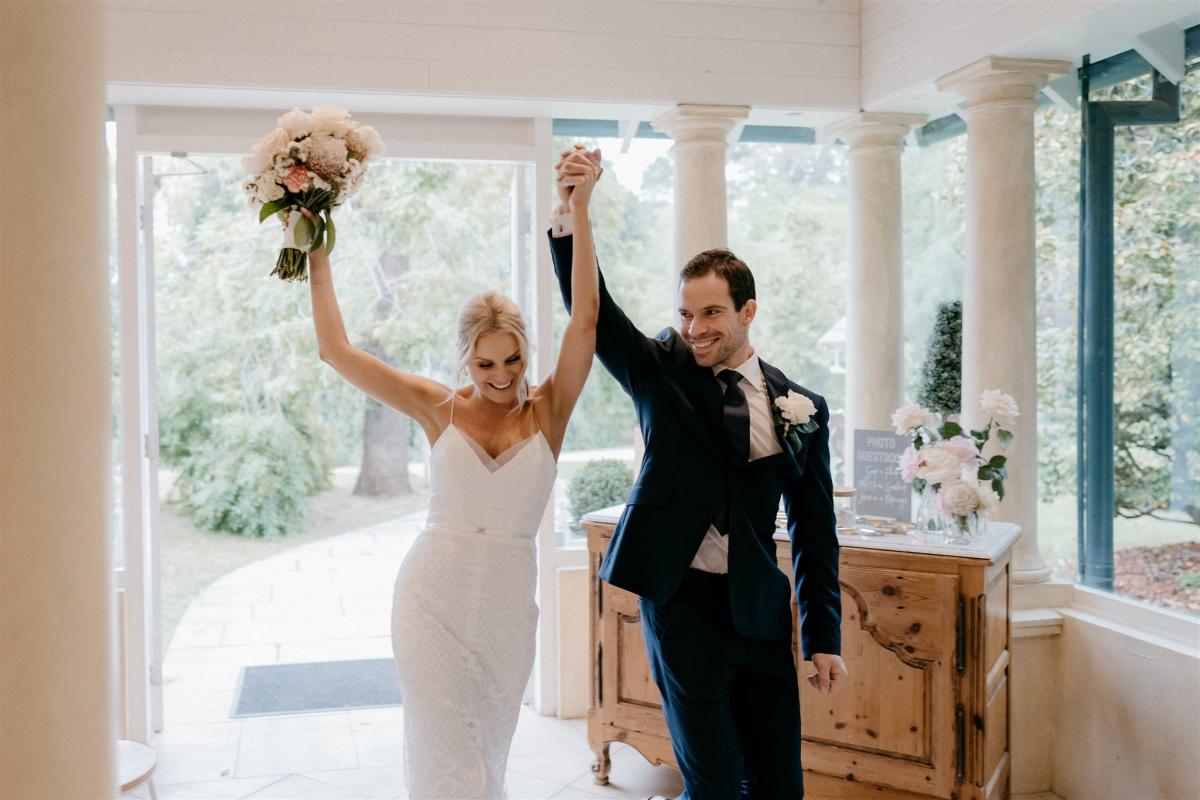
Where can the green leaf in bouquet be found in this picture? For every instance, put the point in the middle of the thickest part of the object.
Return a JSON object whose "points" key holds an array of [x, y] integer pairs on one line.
{"points": [[950, 429], [272, 207], [985, 473], [980, 436], [330, 232], [998, 487], [304, 233], [319, 236], [997, 461], [1004, 436], [918, 485]]}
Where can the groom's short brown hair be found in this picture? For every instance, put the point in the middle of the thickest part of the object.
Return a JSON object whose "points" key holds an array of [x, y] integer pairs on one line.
{"points": [[728, 268]]}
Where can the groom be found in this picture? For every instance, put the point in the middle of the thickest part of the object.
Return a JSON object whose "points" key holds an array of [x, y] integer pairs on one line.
{"points": [[695, 538]]}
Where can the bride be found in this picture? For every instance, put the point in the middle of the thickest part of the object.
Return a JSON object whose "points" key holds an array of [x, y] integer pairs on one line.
{"points": [[463, 615]]}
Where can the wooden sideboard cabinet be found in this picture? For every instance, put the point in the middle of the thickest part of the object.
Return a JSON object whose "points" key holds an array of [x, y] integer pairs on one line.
{"points": [[925, 636]]}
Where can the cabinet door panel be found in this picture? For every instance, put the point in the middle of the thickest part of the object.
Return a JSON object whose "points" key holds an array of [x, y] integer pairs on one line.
{"points": [[894, 722], [632, 701]]}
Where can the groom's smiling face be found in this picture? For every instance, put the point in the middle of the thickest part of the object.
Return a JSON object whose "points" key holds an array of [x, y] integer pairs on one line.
{"points": [[716, 331]]}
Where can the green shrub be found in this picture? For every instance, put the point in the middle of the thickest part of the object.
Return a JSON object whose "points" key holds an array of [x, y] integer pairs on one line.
{"points": [[941, 375], [251, 474], [598, 484]]}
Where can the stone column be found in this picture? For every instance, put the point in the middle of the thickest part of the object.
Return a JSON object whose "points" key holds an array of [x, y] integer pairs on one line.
{"points": [[700, 134], [999, 292], [875, 289], [58, 727]]}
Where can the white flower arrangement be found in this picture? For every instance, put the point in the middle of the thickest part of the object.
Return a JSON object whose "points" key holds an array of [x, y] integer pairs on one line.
{"points": [[794, 414], [309, 165], [944, 456]]}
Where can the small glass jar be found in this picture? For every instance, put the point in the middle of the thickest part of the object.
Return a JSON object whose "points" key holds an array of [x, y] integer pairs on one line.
{"points": [[844, 504]]}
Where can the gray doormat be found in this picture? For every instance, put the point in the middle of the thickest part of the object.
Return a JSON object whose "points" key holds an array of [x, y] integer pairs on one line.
{"points": [[320, 686]]}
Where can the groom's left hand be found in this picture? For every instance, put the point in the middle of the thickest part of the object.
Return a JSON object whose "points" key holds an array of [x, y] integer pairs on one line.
{"points": [[830, 675]]}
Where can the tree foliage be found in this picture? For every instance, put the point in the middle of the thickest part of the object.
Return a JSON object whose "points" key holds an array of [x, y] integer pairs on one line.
{"points": [[1156, 378]]}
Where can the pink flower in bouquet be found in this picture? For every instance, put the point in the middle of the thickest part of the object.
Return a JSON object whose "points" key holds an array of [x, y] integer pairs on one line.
{"points": [[937, 465], [961, 446], [297, 179], [909, 461]]}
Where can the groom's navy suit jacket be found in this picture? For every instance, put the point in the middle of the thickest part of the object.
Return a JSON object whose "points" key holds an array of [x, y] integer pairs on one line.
{"points": [[688, 480]]}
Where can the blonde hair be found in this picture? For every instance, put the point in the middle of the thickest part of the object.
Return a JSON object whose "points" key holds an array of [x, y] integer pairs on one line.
{"points": [[492, 312]]}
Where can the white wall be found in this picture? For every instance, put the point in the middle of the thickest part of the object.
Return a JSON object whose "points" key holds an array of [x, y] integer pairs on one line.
{"points": [[1106, 697], [799, 54], [1128, 718]]}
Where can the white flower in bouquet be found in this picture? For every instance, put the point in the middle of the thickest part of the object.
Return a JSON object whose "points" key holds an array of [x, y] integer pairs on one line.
{"points": [[311, 163], [958, 499], [296, 123], [331, 120], [988, 499], [937, 465], [905, 418], [996, 405], [364, 143]]}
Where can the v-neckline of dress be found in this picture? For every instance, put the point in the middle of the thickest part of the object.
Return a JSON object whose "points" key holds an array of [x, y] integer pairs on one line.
{"points": [[494, 464]]}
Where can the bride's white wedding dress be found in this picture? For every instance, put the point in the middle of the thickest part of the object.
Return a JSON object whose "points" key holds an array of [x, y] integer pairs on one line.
{"points": [[464, 617]]}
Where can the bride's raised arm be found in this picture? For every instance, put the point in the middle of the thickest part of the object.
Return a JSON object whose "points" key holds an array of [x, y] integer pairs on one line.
{"points": [[577, 175], [415, 396]]}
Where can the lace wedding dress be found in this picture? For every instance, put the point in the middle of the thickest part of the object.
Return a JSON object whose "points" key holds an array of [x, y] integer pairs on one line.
{"points": [[464, 617]]}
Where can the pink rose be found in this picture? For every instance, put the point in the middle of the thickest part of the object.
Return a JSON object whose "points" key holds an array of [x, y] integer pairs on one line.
{"points": [[961, 446], [296, 180], [909, 461], [937, 465]]}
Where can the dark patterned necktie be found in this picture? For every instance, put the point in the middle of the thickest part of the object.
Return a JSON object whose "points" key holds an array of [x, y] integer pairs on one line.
{"points": [[736, 415]]}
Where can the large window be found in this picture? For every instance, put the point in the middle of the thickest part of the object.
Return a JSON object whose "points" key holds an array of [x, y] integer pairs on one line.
{"points": [[259, 437], [1156, 363], [632, 225], [788, 221]]}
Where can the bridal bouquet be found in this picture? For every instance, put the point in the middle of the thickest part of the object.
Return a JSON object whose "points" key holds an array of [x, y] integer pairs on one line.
{"points": [[309, 165], [946, 463]]}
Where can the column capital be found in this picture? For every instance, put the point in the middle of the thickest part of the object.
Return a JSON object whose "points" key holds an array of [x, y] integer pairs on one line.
{"points": [[996, 79], [872, 129], [690, 123]]}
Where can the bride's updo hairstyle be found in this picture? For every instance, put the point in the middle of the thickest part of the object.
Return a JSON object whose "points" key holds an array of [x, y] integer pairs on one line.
{"points": [[492, 312]]}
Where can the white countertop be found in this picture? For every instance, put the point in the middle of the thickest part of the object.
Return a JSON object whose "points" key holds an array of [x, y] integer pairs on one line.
{"points": [[999, 537]]}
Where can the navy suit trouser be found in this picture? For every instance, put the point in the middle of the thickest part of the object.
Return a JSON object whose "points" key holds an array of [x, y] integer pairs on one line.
{"points": [[731, 703]]}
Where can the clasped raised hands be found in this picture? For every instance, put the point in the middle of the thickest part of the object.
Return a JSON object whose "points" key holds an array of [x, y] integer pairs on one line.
{"points": [[575, 176]]}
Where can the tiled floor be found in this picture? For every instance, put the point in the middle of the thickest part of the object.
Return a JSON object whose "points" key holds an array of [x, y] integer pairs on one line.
{"points": [[331, 600]]}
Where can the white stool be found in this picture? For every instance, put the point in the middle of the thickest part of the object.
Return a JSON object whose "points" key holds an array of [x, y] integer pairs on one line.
{"points": [[135, 765]]}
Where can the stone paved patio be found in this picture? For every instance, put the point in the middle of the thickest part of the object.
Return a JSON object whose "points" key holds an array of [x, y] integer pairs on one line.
{"points": [[330, 600]]}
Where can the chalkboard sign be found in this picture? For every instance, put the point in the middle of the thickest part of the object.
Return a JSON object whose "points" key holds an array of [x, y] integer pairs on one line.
{"points": [[880, 489]]}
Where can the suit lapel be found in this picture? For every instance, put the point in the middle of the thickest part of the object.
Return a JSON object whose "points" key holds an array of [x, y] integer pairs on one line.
{"points": [[777, 386]]}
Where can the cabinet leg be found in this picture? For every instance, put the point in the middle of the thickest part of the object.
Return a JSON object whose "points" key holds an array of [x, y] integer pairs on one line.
{"points": [[602, 764]]}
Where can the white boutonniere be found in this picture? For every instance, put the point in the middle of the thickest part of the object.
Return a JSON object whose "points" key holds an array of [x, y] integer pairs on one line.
{"points": [[794, 416]]}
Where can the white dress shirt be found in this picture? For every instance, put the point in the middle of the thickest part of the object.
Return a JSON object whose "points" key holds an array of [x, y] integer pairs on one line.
{"points": [[713, 555]]}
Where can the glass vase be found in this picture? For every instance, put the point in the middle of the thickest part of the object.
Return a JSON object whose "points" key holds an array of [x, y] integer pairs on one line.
{"points": [[926, 521], [964, 529]]}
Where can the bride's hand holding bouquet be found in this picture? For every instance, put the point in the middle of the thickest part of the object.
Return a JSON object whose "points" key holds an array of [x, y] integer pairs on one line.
{"points": [[309, 165]]}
